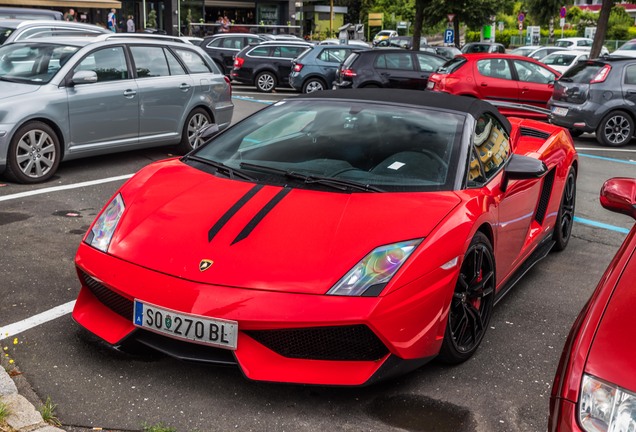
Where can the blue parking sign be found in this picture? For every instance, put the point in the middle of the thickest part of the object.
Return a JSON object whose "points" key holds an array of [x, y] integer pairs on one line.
{"points": [[449, 36]]}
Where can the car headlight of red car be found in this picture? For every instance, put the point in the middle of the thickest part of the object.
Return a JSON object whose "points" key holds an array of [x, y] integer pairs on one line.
{"points": [[374, 271], [606, 407], [104, 227]]}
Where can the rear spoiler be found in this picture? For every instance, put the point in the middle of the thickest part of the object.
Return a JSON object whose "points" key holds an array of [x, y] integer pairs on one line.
{"points": [[519, 106]]}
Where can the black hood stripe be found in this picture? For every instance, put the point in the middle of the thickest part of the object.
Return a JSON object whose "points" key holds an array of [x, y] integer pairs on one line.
{"points": [[232, 211], [261, 214]]}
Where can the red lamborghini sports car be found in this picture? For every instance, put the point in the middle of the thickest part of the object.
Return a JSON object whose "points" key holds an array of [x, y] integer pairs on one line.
{"points": [[335, 238], [595, 385]]}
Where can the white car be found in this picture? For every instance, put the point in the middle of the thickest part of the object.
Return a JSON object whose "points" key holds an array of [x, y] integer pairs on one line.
{"points": [[628, 49], [541, 52], [579, 44], [525, 50], [355, 42], [563, 60]]}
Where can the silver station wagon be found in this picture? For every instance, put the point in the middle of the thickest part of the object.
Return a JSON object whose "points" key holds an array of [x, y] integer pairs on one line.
{"points": [[63, 99]]}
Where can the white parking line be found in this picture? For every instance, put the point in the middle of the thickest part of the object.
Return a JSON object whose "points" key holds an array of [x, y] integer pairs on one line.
{"points": [[65, 187], [606, 149], [41, 318]]}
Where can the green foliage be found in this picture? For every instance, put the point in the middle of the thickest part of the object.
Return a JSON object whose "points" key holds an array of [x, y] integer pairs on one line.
{"points": [[619, 17], [48, 413], [4, 412], [157, 428], [617, 32], [474, 14], [151, 20]]}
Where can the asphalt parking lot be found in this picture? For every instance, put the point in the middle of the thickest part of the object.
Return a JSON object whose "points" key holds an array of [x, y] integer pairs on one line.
{"points": [[504, 387]]}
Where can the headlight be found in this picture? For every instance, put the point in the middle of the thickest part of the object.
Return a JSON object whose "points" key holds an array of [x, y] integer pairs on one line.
{"points": [[370, 275], [104, 227], [605, 407]]}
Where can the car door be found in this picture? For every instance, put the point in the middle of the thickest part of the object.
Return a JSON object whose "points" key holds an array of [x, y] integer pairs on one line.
{"points": [[164, 92], [536, 83], [281, 59], [629, 87], [105, 113], [426, 64], [490, 151], [397, 70], [494, 80], [329, 60]]}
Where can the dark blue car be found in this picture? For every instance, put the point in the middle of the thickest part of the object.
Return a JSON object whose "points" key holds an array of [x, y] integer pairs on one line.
{"points": [[316, 68]]}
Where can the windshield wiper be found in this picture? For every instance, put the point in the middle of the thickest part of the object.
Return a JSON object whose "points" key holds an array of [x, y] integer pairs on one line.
{"points": [[222, 168], [313, 179], [13, 80]]}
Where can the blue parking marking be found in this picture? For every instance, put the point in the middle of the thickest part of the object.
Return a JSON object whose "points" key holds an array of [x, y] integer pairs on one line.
{"points": [[249, 99], [139, 312], [602, 225]]}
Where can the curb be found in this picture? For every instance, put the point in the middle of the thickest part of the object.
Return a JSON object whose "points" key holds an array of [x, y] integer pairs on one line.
{"points": [[23, 417]]}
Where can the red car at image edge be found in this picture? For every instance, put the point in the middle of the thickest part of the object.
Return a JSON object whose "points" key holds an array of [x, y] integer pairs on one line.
{"points": [[595, 385]]}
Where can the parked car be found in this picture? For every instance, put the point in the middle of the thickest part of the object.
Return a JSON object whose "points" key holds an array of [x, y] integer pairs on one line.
{"points": [[222, 47], [384, 34], [431, 207], [525, 50], [18, 30], [628, 49], [280, 37], [448, 52], [355, 42], [595, 384], [393, 68], [563, 60], [315, 69], [498, 77], [483, 47], [268, 64], [405, 42], [193, 40], [541, 52], [65, 98], [597, 96], [579, 44], [23, 13]]}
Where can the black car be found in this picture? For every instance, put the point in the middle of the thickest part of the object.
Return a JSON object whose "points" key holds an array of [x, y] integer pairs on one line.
{"points": [[394, 68], [268, 64], [222, 47], [315, 69], [597, 96]]}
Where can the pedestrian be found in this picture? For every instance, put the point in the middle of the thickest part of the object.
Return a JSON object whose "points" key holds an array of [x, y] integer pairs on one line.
{"points": [[70, 15], [111, 24], [225, 25], [130, 24]]}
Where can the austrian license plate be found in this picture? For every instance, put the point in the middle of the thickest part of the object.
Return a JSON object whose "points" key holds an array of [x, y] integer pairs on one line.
{"points": [[194, 328], [559, 111]]}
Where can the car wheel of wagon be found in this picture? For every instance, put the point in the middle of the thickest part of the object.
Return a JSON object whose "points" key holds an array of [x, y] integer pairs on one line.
{"points": [[313, 85], [191, 136], [265, 82], [565, 217], [34, 153], [472, 302], [616, 129]]}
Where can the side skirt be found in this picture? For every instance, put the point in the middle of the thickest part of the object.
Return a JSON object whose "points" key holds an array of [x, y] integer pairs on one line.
{"points": [[539, 253]]}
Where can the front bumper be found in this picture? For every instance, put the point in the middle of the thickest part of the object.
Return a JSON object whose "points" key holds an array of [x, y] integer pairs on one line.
{"points": [[405, 328]]}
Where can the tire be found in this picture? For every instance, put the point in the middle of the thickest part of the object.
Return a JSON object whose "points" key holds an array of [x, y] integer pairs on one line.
{"points": [[265, 82], [314, 85], [472, 303], [616, 129], [34, 153], [565, 216], [191, 135]]}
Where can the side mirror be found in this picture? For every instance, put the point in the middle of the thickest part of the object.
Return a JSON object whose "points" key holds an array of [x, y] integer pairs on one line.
{"points": [[209, 131], [522, 168], [619, 195], [84, 77]]}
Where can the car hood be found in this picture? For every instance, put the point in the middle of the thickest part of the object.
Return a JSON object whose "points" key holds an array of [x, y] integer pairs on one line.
{"points": [[613, 352], [10, 89], [259, 236]]}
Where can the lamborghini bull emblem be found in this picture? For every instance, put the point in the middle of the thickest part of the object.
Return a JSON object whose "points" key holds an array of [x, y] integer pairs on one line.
{"points": [[205, 264]]}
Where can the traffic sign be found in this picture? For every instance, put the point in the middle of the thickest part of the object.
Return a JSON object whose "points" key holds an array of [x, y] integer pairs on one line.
{"points": [[564, 11], [520, 25], [450, 17], [521, 17], [449, 36]]}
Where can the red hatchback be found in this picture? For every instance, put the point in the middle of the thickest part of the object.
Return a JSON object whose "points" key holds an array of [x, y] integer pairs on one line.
{"points": [[499, 77], [595, 384]]}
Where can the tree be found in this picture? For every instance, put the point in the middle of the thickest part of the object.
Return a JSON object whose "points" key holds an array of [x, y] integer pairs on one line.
{"points": [[601, 28]]}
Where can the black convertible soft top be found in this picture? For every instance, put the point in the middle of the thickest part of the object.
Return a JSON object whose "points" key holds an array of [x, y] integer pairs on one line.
{"points": [[474, 107]]}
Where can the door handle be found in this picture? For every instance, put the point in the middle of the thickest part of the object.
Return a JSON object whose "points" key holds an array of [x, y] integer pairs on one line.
{"points": [[631, 92], [483, 84], [185, 86], [129, 93], [525, 89]]}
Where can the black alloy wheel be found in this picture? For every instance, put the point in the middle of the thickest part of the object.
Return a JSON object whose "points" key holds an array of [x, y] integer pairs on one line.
{"points": [[472, 303], [565, 217]]}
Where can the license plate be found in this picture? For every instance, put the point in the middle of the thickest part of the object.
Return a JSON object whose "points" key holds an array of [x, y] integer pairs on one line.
{"points": [[559, 111], [430, 85], [194, 328]]}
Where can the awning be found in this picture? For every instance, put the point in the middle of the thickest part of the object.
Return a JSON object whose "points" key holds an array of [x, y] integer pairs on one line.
{"points": [[230, 4], [76, 4]]}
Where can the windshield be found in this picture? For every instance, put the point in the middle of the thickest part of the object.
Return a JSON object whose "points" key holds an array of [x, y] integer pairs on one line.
{"points": [[5, 32], [582, 72], [34, 63], [628, 46], [563, 43], [558, 59], [375, 146], [452, 65]]}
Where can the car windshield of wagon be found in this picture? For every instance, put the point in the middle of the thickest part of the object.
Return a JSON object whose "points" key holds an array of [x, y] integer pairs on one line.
{"points": [[33, 63], [388, 147]]}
